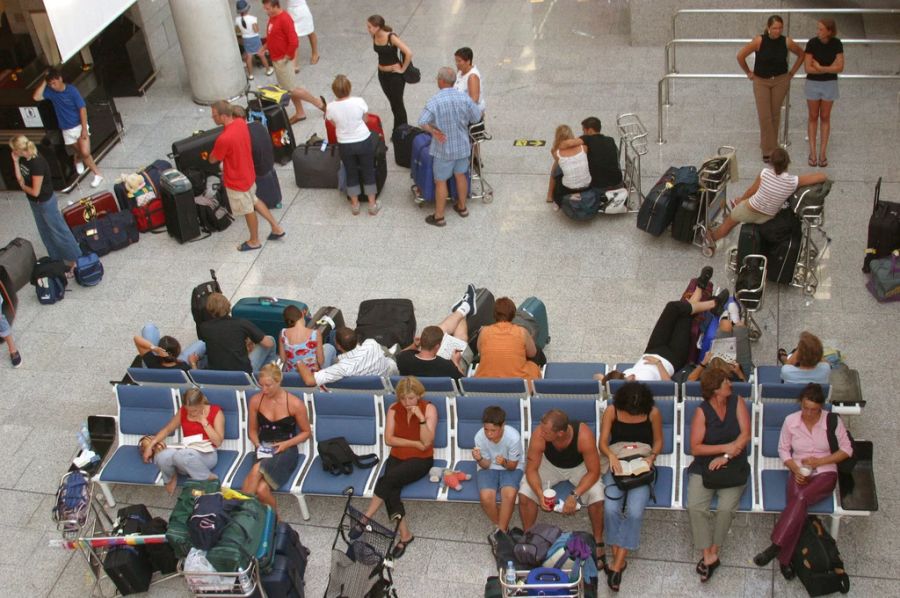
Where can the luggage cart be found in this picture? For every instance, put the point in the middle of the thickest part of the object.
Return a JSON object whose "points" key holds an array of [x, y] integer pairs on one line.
{"points": [[632, 145], [714, 176], [809, 206], [243, 583], [572, 589], [478, 135], [750, 297], [361, 562]]}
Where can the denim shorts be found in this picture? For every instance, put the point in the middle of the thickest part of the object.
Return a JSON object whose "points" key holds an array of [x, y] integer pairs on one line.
{"points": [[495, 479], [5, 328], [443, 169], [822, 90]]}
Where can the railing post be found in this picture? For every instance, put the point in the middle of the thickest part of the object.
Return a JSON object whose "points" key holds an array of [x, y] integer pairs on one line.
{"points": [[659, 110], [785, 127]]}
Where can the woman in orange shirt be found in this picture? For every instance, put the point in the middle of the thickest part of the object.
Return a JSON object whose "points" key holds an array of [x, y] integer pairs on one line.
{"points": [[505, 348], [409, 431]]}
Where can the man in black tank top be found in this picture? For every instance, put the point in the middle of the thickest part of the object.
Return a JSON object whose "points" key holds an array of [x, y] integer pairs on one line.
{"points": [[563, 450]]}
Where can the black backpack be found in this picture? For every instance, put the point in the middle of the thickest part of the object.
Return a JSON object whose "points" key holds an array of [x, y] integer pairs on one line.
{"points": [[212, 210], [817, 562], [338, 458], [531, 550], [846, 466]]}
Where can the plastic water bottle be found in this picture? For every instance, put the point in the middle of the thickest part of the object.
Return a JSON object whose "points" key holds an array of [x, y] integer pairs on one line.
{"points": [[510, 574], [84, 437], [245, 581]]}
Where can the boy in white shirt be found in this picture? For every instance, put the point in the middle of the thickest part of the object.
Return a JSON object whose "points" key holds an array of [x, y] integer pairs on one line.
{"points": [[498, 452]]}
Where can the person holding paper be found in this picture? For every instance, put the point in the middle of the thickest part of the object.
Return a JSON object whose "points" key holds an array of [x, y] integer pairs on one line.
{"points": [[631, 425], [203, 430]]}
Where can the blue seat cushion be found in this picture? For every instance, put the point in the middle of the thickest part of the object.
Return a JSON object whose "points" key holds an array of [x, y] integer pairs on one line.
{"points": [[319, 481], [247, 464], [425, 489], [746, 503], [774, 493], [663, 488], [127, 466]]}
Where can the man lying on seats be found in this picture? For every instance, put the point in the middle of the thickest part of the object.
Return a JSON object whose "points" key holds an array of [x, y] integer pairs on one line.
{"points": [[196, 461], [563, 450], [670, 342], [438, 351], [356, 359], [233, 343]]}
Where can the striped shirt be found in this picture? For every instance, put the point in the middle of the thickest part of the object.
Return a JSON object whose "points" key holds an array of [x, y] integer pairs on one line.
{"points": [[773, 190], [367, 359], [451, 111]]}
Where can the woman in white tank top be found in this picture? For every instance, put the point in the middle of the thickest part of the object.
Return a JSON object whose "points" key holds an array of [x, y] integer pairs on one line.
{"points": [[468, 77], [571, 161]]}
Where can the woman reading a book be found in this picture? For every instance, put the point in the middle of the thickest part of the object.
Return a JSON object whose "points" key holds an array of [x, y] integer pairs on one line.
{"points": [[631, 426], [278, 422], [202, 430]]}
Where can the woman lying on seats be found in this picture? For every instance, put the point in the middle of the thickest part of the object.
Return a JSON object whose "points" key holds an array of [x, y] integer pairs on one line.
{"points": [[632, 428], [197, 459], [570, 161], [158, 351], [669, 346], [409, 430], [720, 433], [506, 348], [805, 364], [735, 366], [278, 422], [806, 452]]}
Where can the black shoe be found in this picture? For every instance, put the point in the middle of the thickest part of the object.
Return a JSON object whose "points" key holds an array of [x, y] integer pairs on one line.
{"points": [[705, 276], [787, 571], [765, 557], [16, 359], [470, 299], [721, 301]]}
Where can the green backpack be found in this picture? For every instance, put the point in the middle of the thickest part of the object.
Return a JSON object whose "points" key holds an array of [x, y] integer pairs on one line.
{"points": [[249, 534], [177, 532]]}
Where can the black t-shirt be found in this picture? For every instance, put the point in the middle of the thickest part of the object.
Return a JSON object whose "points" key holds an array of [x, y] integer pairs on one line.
{"points": [[154, 362], [410, 365], [226, 342], [37, 166], [603, 161], [261, 148], [824, 55]]}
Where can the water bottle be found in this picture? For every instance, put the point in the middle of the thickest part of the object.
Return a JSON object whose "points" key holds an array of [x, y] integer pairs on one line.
{"points": [[84, 437], [246, 582], [510, 574]]}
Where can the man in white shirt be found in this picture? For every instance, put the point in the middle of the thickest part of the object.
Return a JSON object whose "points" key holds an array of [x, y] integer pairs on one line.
{"points": [[356, 359]]}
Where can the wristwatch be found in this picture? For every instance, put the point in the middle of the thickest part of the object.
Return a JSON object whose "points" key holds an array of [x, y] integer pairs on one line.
{"points": [[421, 422], [577, 496]]}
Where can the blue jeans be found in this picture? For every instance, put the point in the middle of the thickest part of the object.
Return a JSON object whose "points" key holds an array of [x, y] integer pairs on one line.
{"points": [[54, 232], [151, 333], [624, 529], [260, 355]]}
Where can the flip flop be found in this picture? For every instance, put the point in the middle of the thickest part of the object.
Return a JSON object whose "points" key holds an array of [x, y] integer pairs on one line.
{"points": [[812, 161], [245, 246], [435, 221], [400, 547], [710, 569], [782, 356], [463, 212], [823, 162], [295, 119], [600, 557], [701, 567], [274, 237]]}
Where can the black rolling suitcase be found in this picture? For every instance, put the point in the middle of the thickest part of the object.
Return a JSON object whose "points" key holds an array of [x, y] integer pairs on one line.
{"points": [[316, 168], [686, 219], [279, 125], [380, 171], [884, 229], [749, 242], [180, 210], [199, 296], [388, 321], [402, 140], [268, 189], [129, 567], [191, 156], [659, 206], [781, 245]]}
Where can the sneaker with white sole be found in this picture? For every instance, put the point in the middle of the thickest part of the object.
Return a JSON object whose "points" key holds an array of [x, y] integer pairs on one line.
{"points": [[16, 359], [79, 167], [95, 182], [269, 71]]}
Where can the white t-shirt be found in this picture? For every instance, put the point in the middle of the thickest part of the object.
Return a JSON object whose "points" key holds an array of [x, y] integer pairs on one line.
{"points": [[644, 371], [347, 116], [246, 30], [462, 84], [509, 447], [773, 190]]}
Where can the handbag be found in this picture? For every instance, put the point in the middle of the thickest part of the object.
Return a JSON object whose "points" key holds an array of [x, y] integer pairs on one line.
{"points": [[411, 75], [730, 476]]}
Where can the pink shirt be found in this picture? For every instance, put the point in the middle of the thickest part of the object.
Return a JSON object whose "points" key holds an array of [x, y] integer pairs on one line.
{"points": [[798, 443]]}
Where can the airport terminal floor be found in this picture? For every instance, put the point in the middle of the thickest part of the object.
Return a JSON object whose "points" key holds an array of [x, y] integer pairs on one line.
{"points": [[604, 282]]}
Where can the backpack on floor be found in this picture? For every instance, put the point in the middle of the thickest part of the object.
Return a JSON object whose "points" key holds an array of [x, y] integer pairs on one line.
{"points": [[88, 270], [49, 280], [338, 458], [817, 562], [532, 549], [73, 502], [211, 207]]}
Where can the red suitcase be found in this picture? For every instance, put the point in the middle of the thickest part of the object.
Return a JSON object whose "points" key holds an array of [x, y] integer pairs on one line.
{"points": [[89, 208], [373, 121], [149, 216]]}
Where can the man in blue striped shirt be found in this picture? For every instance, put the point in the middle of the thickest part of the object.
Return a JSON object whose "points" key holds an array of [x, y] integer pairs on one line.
{"points": [[446, 118]]}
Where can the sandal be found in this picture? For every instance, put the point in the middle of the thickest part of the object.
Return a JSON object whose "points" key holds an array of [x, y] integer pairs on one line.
{"points": [[782, 356], [435, 221], [245, 246], [600, 557], [400, 547], [373, 210], [275, 237], [709, 570], [355, 210], [614, 578], [463, 212], [812, 160], [701, 567], [823, 162]]}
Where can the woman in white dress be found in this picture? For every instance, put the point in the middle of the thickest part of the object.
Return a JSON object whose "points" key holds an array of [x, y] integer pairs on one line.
{"points": [[303, 22]]}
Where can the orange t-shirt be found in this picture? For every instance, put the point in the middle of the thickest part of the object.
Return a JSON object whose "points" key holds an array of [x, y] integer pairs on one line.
{"points": [[408, 428], [502, 350]]}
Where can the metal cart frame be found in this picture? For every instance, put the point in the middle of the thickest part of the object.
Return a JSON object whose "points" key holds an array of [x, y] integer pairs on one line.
{"points": [[812, 218], [632, 145], [713, 196], [751, 300], [478, 135], [244, 582]]}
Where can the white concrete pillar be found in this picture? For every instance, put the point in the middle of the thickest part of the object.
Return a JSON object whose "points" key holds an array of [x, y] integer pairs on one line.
{"points": [[208, 43]]}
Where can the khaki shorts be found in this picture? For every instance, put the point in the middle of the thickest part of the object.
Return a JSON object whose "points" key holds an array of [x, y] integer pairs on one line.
{"points": [[744, 213], [241, 201], [284, 73], [550, 474]]}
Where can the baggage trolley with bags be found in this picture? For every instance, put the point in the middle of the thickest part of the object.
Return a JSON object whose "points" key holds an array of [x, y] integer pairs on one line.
{"points": [[714, 175], [808, 204]]}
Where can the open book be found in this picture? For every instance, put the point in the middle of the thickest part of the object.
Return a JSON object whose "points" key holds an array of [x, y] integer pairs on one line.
{"points": [[725, 349], [195, 442], [634, 467]]}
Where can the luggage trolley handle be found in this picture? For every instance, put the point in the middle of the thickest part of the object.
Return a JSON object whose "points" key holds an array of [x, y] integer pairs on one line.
{"points": [[572, 588]]}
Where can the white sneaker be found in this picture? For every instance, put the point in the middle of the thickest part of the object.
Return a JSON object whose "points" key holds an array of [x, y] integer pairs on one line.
{"points": [[96, 181], [79, 167], [269, 71]]}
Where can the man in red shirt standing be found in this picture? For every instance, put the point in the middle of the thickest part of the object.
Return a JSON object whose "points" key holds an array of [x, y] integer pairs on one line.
{"points": [[233, 150], [282, 42]]}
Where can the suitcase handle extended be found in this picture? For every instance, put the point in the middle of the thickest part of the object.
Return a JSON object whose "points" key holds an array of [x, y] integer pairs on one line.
{"points": [[877, 194]]}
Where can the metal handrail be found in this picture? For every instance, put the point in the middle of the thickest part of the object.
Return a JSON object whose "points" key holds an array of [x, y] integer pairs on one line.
{"points": [[660, 92]]}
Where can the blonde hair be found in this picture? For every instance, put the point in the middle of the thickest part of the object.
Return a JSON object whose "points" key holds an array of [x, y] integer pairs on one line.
{"points": [[563, 132], [20, 143], [193, 397], [409, 386], [272, 371]]}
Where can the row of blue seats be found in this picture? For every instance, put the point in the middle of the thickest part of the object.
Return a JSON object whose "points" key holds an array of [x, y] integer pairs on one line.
{"points": [[359, 418]]}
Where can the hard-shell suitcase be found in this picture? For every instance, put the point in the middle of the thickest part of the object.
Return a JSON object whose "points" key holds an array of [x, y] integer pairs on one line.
{"points": [[128, 569], [422, 170], [884, 228], [287, 544], [90, 208], [268, 189], [316, 167], [319, 322], [265, 312], [198, 298], [659, 206], [749, 242], [536, 311], [17, 259], [388, 321], [178, 203], [380, 172], [373, 121], [191, 154], [402, 140], [686, 219], [284, 579]]}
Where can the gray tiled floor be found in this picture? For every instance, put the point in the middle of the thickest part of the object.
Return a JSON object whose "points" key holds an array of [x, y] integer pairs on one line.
{"points": [[604, 283]]}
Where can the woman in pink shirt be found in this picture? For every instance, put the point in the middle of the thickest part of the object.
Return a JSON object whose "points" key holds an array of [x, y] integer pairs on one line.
{"points": [[806, 452]]}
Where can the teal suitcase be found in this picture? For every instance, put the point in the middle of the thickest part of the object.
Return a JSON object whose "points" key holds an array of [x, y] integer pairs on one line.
{"points": [[266, 312], [532, 314]]}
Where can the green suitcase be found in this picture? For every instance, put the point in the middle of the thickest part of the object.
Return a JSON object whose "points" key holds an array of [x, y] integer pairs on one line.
{"points": [[249, 534], [177, 532], [266, 312]]}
